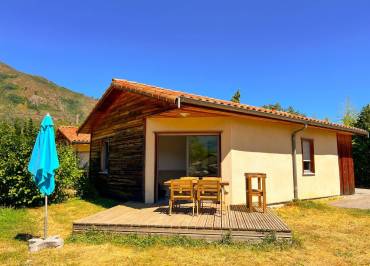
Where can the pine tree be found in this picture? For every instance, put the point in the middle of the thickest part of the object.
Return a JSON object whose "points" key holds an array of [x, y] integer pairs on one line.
{"points": [[277, 106], [236, 97]]}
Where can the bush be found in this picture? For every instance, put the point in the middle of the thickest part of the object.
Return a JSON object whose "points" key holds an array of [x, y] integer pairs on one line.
{"points": [[9, 86], [67, 175], [15, 99], [16, 185], [85, 188]]}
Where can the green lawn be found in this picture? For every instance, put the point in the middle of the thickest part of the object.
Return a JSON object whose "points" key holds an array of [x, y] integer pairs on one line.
{"points": [[322, 235]]}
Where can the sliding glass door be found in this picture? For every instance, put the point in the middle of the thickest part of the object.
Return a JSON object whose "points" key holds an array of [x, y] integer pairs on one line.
{"points": [[183, 154], [203, 155]]}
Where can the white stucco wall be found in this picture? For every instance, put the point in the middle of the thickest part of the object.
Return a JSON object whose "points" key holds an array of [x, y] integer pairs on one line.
{"points": [[262, 146], [251, 145], [183, 125], [326, 181]]}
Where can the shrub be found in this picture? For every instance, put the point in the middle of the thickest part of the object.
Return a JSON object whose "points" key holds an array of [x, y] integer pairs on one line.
{"points": [[4, 76], [16, 185], [67, 175], [15, 99], [9, 86], [85, 188], [71, 104]]}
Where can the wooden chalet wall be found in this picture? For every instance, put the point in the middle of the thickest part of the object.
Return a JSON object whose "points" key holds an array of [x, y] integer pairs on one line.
{"points": [[123, 124]]}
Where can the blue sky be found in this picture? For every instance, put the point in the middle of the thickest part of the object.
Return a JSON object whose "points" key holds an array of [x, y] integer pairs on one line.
{"points": [[308, 54]]}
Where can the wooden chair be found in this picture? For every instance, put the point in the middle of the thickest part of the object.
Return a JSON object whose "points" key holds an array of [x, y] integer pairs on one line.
{"points": [[208, 190], [259, 192], [181, 190], [189, 178], [211, 178], [218, 178]]}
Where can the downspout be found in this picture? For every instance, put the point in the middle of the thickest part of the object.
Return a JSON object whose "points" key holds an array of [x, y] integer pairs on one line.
{"points": [[294, 153]]}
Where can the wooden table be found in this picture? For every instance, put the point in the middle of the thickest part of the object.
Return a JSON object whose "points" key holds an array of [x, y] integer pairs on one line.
{"points": [[223, 184]]}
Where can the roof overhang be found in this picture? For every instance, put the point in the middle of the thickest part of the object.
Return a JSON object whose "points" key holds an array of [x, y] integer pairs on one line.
{"points": [[308, 122], [176, 98]]}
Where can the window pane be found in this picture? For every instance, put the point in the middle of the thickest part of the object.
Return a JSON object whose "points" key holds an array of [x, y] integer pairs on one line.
{"points": [[307, 166], [203, 156], [308, 156], [306, 150]]}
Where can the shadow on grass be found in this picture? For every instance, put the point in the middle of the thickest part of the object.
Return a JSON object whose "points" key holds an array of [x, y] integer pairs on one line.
{"points": [[24, 236], [103, 202]]}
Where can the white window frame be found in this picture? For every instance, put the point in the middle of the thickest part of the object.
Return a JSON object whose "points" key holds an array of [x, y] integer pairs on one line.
{"points": [[311, 161]]}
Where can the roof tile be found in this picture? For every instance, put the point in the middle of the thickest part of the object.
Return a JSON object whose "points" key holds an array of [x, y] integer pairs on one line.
{"points": [[172, 95], [70, 133]]}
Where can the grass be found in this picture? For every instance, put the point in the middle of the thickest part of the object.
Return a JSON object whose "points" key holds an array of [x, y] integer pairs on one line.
{"points": [[322, 235], [15, 222], [132, 240]]}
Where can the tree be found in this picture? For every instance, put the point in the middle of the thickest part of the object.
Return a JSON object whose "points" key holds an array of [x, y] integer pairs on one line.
{"points": [[361, 150], [349, 114], [277, 106], [236, 97], [16, 185]]}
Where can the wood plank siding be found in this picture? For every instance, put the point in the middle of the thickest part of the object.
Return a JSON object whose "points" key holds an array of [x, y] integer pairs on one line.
{"points": [[122, 124], [346, 171]]}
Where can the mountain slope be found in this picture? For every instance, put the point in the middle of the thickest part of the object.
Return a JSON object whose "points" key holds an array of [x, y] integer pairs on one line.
{"points": [[23, 96]]}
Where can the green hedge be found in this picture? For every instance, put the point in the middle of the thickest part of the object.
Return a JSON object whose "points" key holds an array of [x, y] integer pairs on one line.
{"points": [[16, 185]]}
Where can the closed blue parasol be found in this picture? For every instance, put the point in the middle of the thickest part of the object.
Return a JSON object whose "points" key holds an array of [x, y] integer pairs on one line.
{"points": [[44, 161]]}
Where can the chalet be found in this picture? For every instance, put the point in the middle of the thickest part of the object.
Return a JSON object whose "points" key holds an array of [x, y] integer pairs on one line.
{"points": [[143, 135], [80, 142]]}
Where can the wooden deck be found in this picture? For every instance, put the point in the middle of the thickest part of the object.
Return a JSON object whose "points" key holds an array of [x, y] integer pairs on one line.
{"points": [[138, 218]]}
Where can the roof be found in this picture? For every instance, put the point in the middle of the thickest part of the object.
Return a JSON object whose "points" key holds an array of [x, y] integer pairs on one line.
{"points": [[70, 133], [179, 97]]}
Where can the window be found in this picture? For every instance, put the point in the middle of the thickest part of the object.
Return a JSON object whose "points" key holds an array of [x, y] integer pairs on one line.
{"points": [[104, 157], [308, 157], [203, 156], [185, 154]]}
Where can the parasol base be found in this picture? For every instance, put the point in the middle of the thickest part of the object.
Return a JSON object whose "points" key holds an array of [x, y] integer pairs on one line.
{"points": [[36, 244]]}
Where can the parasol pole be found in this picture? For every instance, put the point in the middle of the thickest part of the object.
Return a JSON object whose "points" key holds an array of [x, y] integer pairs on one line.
{"points": [[46, 218], [46, 212]]}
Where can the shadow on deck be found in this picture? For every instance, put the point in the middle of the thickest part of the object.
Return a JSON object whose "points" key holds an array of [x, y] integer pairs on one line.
{"points": [[210, 224]]}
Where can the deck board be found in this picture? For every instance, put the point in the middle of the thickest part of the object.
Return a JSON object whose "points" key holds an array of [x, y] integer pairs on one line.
{"points": [[210, 224], [225, 219]]}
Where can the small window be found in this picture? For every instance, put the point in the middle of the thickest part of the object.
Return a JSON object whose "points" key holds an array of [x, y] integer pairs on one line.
{"points": [[104, 156], [308, 157]]}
